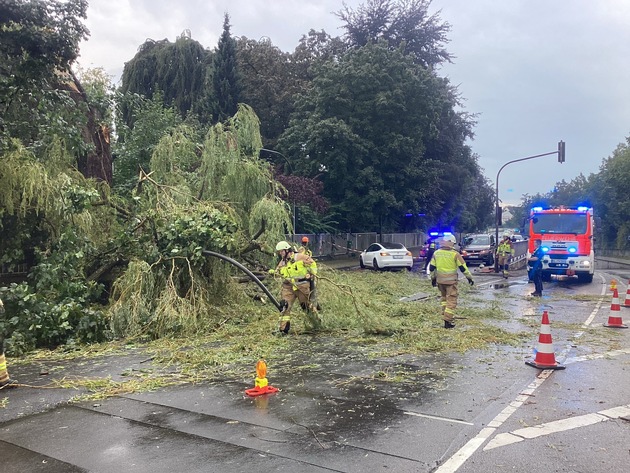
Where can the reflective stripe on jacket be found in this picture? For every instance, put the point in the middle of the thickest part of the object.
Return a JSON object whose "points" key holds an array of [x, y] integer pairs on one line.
{"points": [[446, 262]]}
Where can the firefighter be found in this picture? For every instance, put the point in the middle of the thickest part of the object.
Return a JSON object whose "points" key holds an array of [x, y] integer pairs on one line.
{"points": [[504, 252], [5, 381], [297, 270], [305, 248], [535, 263], [431, 246], [443, 267]]}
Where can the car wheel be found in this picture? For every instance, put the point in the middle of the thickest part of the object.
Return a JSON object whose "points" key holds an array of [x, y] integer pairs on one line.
{"points": [[361, 263], [375, 264]]}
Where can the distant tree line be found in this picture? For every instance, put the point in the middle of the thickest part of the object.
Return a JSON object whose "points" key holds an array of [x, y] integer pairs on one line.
{"points": [[606, 191]]}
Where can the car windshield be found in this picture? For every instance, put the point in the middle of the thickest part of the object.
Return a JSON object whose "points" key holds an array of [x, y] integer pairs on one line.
{"points": [[392, 246], [477, 240]]}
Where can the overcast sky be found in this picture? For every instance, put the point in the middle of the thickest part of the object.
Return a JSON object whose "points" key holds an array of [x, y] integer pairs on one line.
{"points": [[535, 71]]}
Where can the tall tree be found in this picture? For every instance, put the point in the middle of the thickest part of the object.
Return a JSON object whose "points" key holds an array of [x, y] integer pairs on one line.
{"points": [[267, 85], [403, 24], [365, 127], [39, 40], [176, 70], [611, 200], [225, 79], [41, 98]]}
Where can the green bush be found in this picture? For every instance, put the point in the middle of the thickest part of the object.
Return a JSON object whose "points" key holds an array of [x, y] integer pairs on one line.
{"points": [[56, 305]]}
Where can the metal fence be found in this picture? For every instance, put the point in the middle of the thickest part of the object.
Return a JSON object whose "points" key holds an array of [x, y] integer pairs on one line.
{"points": [[325, 244]]}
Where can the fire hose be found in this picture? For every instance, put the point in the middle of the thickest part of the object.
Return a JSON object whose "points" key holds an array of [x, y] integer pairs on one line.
{"points": [[280, 305]]}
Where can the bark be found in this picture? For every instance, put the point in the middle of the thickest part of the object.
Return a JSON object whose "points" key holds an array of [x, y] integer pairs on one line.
{"points": [[96, 163]]}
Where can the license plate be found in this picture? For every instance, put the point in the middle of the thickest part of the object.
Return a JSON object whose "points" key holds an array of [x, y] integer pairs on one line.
{"points": [[398, 257], [473, 256]]}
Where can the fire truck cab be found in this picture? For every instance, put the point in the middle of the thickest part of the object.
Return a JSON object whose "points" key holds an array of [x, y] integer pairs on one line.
{"points": [[567, 240]]}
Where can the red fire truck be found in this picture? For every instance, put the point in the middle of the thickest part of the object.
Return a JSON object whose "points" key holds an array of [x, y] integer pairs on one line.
{"points": [[567, 240]]}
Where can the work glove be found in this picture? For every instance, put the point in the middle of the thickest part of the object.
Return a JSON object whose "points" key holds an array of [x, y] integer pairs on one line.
{"points": [[272, 271], [434, 282], [471, 282]]}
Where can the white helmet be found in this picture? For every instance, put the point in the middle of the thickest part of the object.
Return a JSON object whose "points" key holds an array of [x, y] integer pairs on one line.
{"points": [[449, 239], [283, 245]]}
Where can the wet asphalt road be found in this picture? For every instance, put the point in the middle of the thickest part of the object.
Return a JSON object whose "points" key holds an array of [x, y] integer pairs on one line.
{"points": [[476, 412]]}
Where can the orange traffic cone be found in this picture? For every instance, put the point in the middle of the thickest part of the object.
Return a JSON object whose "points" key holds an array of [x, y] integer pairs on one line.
{"points": [[614, 319], [545, 358], [261, 385], [627, 301]]}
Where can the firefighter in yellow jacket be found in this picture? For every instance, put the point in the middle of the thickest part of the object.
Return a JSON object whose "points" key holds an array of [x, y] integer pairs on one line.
{"points": [[504, 252], [443, 267], [5, 381], [296, 269]]}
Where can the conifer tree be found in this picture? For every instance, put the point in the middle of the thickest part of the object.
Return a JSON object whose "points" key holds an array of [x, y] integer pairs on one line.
{"points": [[225, 79]]}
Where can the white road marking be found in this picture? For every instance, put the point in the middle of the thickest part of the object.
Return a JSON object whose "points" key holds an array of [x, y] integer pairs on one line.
{"points": [[561, 425], [597, 356], [459, 458], [445, 419]]}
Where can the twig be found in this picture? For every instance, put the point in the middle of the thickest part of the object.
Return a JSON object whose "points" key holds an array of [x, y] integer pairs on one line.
{"points": [[310, 430]]}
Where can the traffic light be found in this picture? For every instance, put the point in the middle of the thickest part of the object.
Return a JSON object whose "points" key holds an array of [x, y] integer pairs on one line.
{"points": [[561, 151]]}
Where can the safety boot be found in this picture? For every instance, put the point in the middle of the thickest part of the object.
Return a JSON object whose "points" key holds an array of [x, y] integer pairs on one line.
{"points": [[284, 328], [448, 324]]}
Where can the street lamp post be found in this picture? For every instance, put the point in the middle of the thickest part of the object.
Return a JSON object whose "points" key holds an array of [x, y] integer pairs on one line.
{"points": [[497, 212]]}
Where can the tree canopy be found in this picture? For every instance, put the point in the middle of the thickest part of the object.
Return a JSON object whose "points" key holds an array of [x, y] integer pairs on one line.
{"points": [[403, 24], [381, 133], [39, 40], [177, 71]]}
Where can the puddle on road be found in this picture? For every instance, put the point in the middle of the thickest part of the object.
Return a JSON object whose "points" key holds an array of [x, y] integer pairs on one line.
{"points": [[340, 392]]}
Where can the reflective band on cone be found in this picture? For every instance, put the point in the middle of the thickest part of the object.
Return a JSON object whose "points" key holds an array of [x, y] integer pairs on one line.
{"points": [[614, 319], [627, 301], [545, 358]]}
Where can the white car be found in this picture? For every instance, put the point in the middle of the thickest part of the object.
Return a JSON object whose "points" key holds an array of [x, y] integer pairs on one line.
{"points": [[386, 256]]}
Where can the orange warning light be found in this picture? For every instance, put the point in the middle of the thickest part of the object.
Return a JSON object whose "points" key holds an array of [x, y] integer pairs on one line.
{"points": [[261, 369], [261, 385]]}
